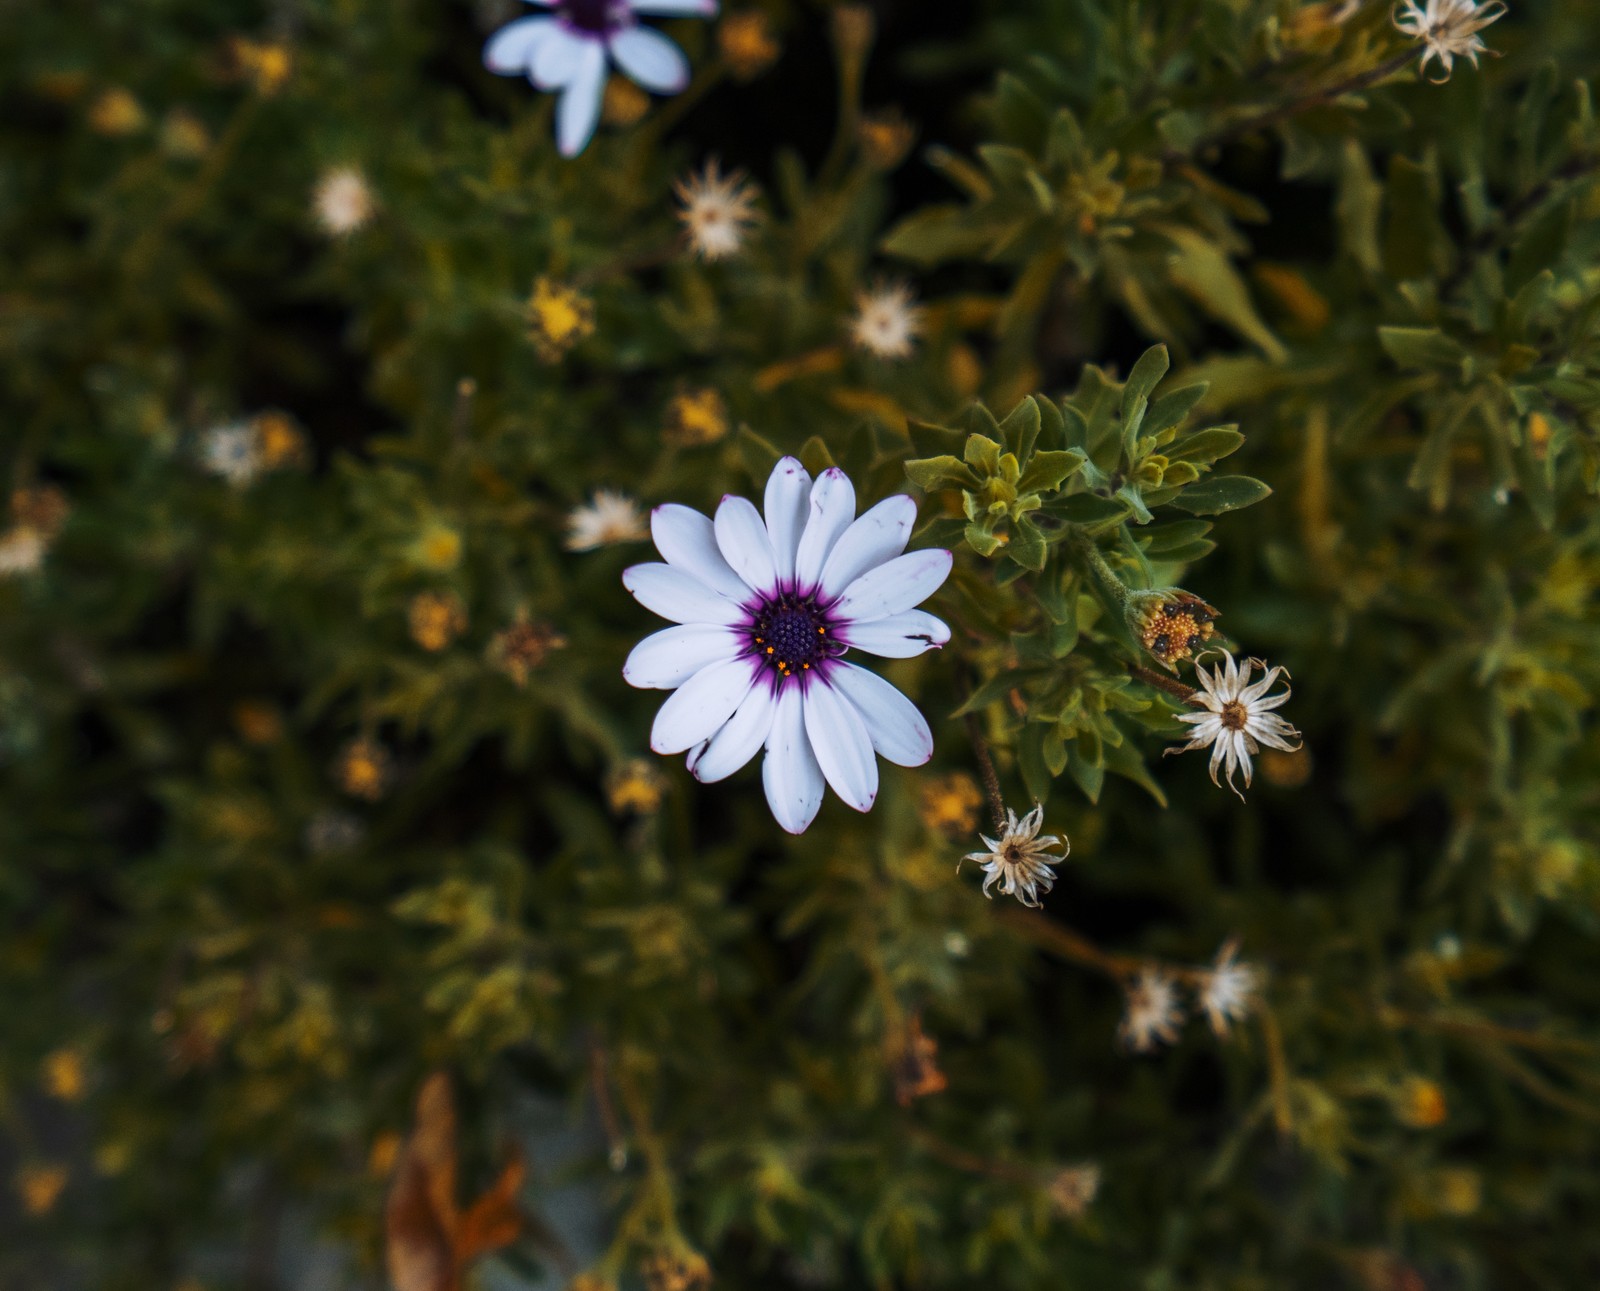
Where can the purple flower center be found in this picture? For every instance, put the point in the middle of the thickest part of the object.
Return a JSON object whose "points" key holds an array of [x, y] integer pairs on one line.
{"points": [[601, 17], [793, 634]]}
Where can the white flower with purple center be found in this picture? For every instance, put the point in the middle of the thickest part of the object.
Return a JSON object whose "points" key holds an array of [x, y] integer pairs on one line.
{"points": [[570, 49], [768, 603]]}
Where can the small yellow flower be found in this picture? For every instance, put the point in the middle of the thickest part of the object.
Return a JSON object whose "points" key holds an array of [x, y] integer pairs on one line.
{"points": [[279, 442], [63, 1074], [950, 804], [747, 44], [436, 619], [40, 1187], [116, 112], [364, 769], [558, 318], [885, 138], [265, 65], [696, 418], [635, 787], [438, 548], [385, 1152], [1539, 435], [184, 135], [1420, 1103], [624, 104], [522, 648]]}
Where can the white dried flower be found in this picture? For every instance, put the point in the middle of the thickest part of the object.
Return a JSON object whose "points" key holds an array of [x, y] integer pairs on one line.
{"points": [[1236, 715], [232, 451], [1228, 988], [887, 321], [1019, 860], [342, 201], [609, 518], [22, 549], [716, 211], [1153, 1015], [1448, 29]]}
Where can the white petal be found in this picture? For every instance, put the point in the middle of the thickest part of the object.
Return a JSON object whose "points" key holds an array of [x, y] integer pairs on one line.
{"points": [[739, 739], [897, 730], [697, 708], [678, 596], [651, 59], [895, 587], [742, 539], [790, 773], [844, 749], [687, 540], [833, 507], [510, 50], [559, 56], [786, 503], [900, 636], [878, 536], [578, 108], [676, 8], [668, 658]]}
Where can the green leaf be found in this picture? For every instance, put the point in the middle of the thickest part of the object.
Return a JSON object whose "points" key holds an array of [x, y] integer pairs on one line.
{"points": [[1047, 471], [1171, 409], [933, 473], [1217, 494], [1027, 545], [1020, 429], [932, 441], [983, 453], [1415, 243], [1200, 266], [1142, 381], [1089, 775], [938, 233], [981, 540], [1036, 777], [815, 456], [1086, 508], [1209, 445], [1421, 347], [1358, 207]]}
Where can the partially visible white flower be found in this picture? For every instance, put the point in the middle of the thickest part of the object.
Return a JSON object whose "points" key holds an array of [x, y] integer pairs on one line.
{"points": [[887, 321], [1019, 860], [1228, 988], [342, 201], [570, 49], [717, 211], [1236, 715], [22, 549], [232, 451], [769, 601], [1153, 1014], [1448, 29], [609, 518]]}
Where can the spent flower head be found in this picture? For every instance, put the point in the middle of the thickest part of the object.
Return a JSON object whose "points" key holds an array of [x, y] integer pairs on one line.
{"points": [[1448, 30], [716, 210], [342, 201], [1170, 623], [1228, 988], [609, 518], [1236, 717], [1152, 1015], [1019, 860], [887, 321]]}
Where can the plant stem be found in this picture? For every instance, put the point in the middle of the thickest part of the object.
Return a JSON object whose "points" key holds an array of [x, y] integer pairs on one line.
{"points": [[1171, 685], [991, 781]]}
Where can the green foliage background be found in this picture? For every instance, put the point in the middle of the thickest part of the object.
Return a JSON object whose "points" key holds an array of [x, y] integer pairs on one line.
{"points": [[1393, 292]]}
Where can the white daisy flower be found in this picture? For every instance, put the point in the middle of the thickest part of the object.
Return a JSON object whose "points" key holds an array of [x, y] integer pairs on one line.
{"points": [[569, 50], [717, 211], [1448, 29], [1019, 861], [609, 517], [1236, 715], [232, 451], [342, 201], [886, 321], [1153, 1013], [768, 605], [1228, 988]]}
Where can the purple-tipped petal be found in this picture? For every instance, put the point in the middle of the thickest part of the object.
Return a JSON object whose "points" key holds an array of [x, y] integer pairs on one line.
{"points": [[787, 503], [789, 773], [678, 596], [895, 587], [833, 507], [652, 60], [876, 537], [844, 749], [900, 636], [897, 730], [700, 706], [687, 540], [742, 539], [668, 658]]}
